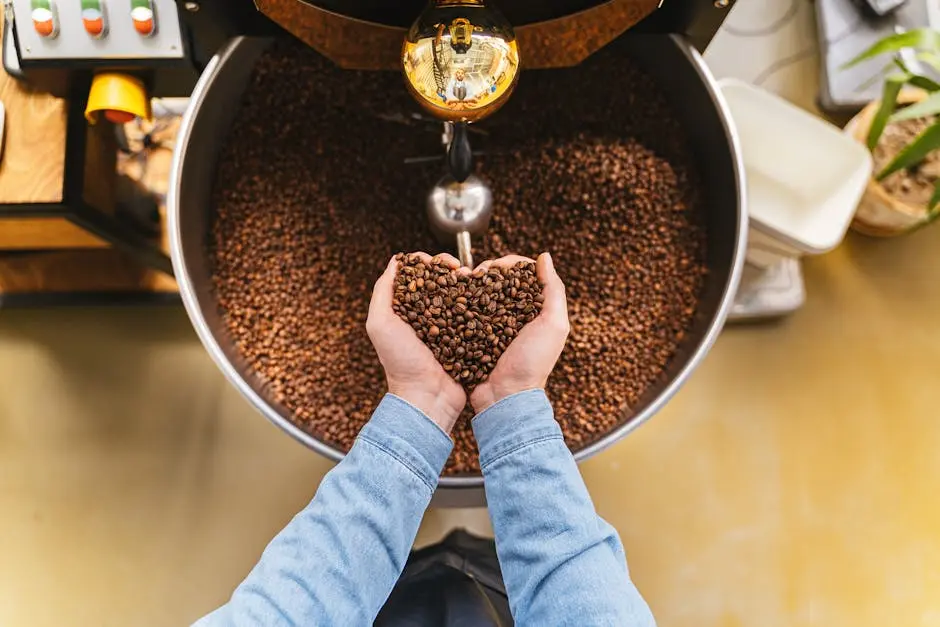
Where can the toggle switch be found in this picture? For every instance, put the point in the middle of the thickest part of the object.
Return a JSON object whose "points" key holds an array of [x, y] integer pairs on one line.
{"points": [[45, 18], [145, 22], [93, 18]]}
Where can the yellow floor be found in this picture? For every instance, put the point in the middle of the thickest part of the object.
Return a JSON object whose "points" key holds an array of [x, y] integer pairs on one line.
{"points": [[793, 481]]}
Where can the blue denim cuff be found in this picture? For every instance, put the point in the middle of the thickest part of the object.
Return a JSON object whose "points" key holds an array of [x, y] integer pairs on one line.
{"points": [[404, 432], [513, 423]]}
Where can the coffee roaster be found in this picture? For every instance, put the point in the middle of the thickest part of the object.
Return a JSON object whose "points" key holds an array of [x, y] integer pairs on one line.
{"points": [[460, 60]]}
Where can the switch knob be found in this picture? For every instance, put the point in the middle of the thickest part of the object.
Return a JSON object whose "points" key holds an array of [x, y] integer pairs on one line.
{"points": [[45, 18], [93, 18], [145, 22]]}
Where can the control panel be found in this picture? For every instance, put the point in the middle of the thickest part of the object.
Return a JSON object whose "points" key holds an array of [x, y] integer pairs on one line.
{"points": [[62, 31]]}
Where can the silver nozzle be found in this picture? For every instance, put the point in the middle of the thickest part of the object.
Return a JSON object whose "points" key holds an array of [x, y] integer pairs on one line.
{"points": [[460, 210]]}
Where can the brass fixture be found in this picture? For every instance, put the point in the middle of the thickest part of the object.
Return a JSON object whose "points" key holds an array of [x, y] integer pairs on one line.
{"points": [[460, 60]]}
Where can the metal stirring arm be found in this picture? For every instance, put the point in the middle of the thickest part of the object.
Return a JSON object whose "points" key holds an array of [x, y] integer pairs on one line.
{"points": [[460, 205], [459, 154], [465, 249], [460, 210], [460, 164]]}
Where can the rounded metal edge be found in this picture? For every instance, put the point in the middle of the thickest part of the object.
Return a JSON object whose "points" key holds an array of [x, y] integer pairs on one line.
{"points": [[734, 279], [447, 483], [186, 288]]}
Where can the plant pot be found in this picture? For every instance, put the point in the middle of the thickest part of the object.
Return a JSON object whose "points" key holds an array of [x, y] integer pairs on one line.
{"points": [[879, 213]]}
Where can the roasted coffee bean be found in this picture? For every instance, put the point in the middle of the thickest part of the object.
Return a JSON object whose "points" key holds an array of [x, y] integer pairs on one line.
{"points": [[586, 162], [464, 329]]}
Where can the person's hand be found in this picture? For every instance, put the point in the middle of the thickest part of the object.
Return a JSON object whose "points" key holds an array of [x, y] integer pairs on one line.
{"points": [[531, 356], [411, 371]]}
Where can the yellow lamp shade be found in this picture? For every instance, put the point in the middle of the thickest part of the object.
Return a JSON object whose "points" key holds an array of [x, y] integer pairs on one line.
{"points": [[118, 97]]}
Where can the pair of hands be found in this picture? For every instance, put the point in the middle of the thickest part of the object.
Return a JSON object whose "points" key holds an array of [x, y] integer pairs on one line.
{"points": [[414, 375]]}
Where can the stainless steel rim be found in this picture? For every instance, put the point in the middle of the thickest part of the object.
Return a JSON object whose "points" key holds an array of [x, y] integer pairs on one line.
{"points": [[215, 351], [187, 290], [734, 279]]}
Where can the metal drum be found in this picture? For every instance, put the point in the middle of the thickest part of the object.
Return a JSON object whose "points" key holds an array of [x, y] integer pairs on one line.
{"points": [[696, 102]]}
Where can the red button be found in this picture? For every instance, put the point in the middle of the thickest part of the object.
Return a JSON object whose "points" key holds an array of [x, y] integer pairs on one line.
{"points": [[144, 27], [95, 28], [143, 18], [45, 20], [118, 117], [45, 28]]}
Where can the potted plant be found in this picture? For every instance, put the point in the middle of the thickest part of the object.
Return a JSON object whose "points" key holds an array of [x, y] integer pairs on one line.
{"points": [[902, 131]]}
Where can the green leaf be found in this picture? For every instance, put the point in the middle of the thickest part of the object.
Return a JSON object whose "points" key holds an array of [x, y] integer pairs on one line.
{"points": [[919, 39], [928, 106], [914, 152], [889, 98], [927, 84], [932, 211], [899, 63], [921, 82]]}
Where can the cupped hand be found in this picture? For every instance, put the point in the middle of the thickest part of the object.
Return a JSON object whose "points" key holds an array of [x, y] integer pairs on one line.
{"points": [[411, 371], [531, 357]]}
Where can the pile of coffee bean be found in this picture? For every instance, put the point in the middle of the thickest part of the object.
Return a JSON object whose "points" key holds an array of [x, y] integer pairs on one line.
{"points": [[325, 177], [466, 319]]}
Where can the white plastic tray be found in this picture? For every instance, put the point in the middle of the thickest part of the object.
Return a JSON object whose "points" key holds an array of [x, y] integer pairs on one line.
{"points": [[804, 177]]}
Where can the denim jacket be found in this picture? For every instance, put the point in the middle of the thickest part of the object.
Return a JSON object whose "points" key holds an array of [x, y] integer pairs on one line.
{"points": [[337, 561]]}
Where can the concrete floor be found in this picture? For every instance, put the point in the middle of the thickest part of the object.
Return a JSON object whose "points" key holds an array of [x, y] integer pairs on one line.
{"points": [[136, 486]]}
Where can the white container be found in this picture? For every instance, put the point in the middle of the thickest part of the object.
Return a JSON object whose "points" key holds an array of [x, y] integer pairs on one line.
{"points": [[804, 176]]}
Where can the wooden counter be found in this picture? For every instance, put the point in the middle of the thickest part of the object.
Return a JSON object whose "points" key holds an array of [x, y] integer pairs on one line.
{"points": [[32, 167], [33, 160], [65, 262]]}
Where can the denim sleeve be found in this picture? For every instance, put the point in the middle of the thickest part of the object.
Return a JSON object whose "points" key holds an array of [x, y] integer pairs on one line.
{"points": [[337, 561], [561, 562]]}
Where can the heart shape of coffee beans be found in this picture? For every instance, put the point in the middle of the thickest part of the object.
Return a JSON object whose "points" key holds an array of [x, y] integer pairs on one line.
{"points": [[467, 319]]}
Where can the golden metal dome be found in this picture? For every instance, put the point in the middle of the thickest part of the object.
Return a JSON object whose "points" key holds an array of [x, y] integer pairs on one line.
{"points": [[460, 59]]}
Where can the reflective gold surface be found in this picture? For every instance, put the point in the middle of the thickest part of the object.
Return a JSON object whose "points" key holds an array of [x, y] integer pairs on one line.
{"points": [[460, 60]]}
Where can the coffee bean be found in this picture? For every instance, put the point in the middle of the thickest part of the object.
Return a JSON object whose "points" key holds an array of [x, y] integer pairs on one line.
{"points": [[586, 162], [461, 328]]}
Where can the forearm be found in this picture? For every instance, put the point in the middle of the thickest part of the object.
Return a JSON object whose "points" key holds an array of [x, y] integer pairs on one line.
{"points": [[562, 563], [337, 561]]}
